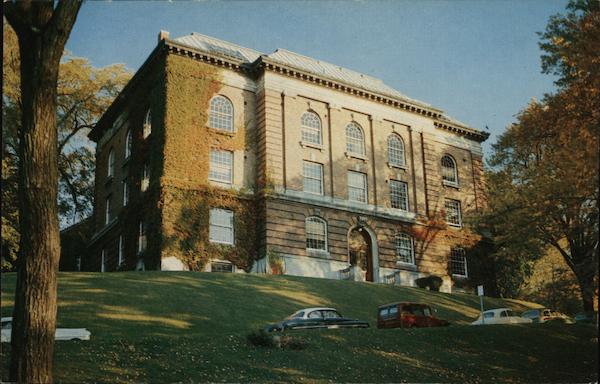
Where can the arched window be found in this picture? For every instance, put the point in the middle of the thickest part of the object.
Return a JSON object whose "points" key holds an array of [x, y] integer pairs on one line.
{"points": [[316, 233], [221, 114], [404, 249], [311, 128], [128, 144], [110, 172], [395, 150], [355, 142], [449, 173], [147, 124]]}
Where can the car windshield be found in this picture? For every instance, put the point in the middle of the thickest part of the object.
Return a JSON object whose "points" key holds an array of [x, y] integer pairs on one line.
{"points": [[295, 315]]}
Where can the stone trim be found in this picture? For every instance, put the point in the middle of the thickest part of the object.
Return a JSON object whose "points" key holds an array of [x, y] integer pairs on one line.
{"points": [[344, 205]]}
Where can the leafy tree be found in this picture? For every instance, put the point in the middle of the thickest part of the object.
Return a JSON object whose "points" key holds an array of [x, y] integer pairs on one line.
{"points": [[83, 94], [544, 181], [42, 29]]}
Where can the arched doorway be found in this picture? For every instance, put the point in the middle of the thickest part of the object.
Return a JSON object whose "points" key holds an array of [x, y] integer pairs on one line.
{"points": [[362, 252]]}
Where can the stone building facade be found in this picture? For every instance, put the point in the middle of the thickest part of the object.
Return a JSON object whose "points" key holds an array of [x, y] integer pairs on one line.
{"points": [[217, 157]]}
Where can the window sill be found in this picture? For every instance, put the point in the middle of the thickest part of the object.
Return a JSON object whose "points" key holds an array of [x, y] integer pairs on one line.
{"points": [[221, 183], [457, 226], [317, 252], [356, 156], [357, 202], [221, 131], [450, 184], [306, 144], [460, 277], [399, 166], [313, 193], [221, 243], [406, 266]]}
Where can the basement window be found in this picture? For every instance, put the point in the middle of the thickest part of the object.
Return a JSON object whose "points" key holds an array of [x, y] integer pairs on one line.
{"points": [[219, 266]]}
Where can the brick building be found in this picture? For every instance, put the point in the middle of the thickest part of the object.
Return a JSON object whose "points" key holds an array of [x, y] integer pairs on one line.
{"points": [[215, 156]]}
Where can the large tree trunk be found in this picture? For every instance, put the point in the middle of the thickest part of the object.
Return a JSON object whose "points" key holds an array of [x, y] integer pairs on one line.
{"points": [[42, 30], [586, 277]]}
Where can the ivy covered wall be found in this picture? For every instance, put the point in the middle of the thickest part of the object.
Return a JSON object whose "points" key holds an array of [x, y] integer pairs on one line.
{"points": [[186, 194]]}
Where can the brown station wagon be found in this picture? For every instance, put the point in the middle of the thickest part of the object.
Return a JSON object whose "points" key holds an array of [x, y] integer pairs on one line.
{"points": [[407, 315]]}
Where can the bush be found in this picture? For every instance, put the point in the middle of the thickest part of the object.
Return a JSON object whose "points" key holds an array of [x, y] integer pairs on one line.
{"points": [[433, 283], [261, 338]]}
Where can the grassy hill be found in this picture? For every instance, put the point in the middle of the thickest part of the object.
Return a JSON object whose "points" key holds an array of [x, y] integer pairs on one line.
{"points": [[181, 327]]}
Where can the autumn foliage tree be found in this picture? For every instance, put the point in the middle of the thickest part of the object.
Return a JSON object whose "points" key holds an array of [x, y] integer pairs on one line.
{"points": [[42, 29], [544, 179], [83, 94]]}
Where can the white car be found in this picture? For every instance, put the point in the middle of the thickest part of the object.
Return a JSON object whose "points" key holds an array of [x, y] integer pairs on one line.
{"points": [[61, 333], [500, 316]]}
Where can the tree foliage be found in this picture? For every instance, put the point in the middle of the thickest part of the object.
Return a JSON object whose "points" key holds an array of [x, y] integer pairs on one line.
{"points": [[543, 186], [83, 94]]}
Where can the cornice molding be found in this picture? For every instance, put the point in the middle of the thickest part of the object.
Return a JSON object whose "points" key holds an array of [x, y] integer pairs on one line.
{"points": [[468, 132]]}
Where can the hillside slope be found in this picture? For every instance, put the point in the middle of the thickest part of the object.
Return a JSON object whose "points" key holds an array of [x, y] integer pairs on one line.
{"points": [[167, 326]]}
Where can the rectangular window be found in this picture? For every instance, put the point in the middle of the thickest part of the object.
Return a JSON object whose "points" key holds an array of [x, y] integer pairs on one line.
{"points": [[121, 250], [458, 262], [103, 261], [221, 166], [399, 195], [453, 216], [313, 177], [357, 187], [111, 164], [142, 238], [125, 192], [107, 211], [145, 183], [218, 266], [221, 226], [316, 234]]}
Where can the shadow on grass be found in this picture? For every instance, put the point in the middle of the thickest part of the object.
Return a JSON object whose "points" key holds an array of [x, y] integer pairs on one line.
{"points": [[166, 327]]}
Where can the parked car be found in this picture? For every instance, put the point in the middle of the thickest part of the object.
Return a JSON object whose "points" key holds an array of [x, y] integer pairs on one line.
{"points": [[407, 315], [310, 318], [500, 316], [544, 315], [61, 333], [587, 317]]}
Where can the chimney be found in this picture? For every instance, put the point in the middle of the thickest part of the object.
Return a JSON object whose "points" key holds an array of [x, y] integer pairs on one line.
{"points": [[162, 35]]}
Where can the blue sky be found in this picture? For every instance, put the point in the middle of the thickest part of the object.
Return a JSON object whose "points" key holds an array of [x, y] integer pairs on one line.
{"points": [[477, 60]]}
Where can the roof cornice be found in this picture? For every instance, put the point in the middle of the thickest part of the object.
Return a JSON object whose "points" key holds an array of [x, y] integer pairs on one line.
{"points": [[100, 126], [265, 63], [463, 130]]}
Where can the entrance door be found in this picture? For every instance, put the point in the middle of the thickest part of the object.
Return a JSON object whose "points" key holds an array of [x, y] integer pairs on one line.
{"points": [[359, 251]]}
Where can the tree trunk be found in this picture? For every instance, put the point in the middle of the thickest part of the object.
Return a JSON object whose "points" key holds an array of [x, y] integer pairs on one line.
{"points": [[34, 314], [42, 29], [586, 277]]}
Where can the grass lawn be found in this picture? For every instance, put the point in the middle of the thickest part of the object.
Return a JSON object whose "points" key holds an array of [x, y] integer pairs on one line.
{"points": [[163, 327]]}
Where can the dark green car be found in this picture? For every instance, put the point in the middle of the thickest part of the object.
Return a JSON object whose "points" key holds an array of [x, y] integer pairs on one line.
{"points": [[311, 318]]}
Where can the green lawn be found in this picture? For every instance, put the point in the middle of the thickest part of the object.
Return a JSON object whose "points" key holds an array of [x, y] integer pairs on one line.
{"points": [[190, 327]]}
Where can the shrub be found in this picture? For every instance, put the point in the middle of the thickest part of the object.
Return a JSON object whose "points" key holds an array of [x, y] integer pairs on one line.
{"points": [[433, 283], [275, 262], [261, 338]]}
